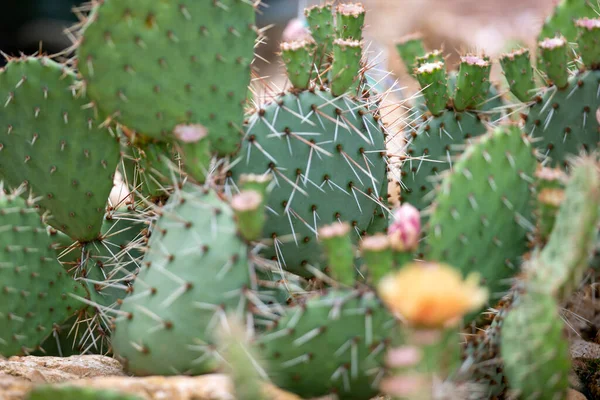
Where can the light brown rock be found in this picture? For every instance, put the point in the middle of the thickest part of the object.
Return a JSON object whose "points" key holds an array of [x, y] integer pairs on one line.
{"points": [[206, 387], [575, 395], [19, 374], [13, 388], [584, 349], [60, 369]]}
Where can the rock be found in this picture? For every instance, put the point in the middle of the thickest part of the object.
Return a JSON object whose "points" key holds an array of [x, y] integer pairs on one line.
{"points": [[19, 374], [205, 387], [584, 349], [575, 395], [12, 388], [60, 369]]}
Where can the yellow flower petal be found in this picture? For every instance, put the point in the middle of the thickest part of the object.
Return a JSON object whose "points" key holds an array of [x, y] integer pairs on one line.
{"points": [[431, 295]]}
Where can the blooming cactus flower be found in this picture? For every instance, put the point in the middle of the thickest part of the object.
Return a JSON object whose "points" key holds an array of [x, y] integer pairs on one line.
{"points": [[405, 230], [431, 295]]}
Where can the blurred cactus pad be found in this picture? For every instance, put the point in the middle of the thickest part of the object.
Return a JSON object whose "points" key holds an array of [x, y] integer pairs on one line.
{"points": [[163, 203]]}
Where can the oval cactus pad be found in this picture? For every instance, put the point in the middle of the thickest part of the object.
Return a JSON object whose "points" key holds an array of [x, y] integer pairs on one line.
{"points": [[154, 65]]}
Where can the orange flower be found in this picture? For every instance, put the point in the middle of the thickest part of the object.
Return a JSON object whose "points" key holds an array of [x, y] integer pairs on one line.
{"points": [[431, 295]]}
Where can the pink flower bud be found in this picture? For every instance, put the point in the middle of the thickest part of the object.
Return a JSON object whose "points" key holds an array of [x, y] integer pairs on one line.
{"points": [[405, 230]]}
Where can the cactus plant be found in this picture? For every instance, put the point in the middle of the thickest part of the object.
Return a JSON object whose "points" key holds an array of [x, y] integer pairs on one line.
{"points": [[324, 146], [333, 343], [560, 116], [195, 266], [432, 148], [141, 62], [67, 159], [492, 181], [36, 291]]}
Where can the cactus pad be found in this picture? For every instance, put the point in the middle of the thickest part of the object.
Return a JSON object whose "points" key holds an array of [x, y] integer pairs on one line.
{"points": [[156, 65], [53, 142], [535, 353], [483, 212], [326, 157], [35, 290], [432, 150], [564, 120], [195, 270], [332, 344]]}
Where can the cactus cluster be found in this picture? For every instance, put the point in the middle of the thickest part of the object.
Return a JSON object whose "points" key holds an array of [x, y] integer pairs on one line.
{"points": [[256, 237]]}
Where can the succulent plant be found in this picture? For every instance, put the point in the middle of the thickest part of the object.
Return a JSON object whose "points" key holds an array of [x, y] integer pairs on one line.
{"points": [[323, 145], [561, 115]]}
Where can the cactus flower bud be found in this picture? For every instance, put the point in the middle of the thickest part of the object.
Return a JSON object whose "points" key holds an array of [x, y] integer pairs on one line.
{"points": [[405, 230]]}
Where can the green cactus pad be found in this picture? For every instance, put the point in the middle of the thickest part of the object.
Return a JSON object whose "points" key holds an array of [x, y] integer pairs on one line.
{"points": [[483, 209], [35, 291], [433, 149], [156, 65], [320, 21], [589, 41], [350, 20], [430, 57], [432, 78], [326, 157], [560, 267], [298, 58], [472, 83], [334, 343], [409, 48], [195, 270], [52, 141], [535, 353], [519, 74], [77, 393], [564, 121], [561, 21], [550, 192], [554, 58], [346, 65]]}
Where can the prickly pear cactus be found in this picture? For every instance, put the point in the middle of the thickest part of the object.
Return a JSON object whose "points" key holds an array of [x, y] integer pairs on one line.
{"points": [[334, 343], [108, 265], [155, 65], [325, 149], [441, 137], [535, 352], [483, 213], [565, 13], [146, 171], [194, 271], [36, 292], [561, 116], [53, 142]]}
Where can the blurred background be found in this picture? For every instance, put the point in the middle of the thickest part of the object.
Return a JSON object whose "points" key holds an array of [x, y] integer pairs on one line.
{"points": [[458, 25]]}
